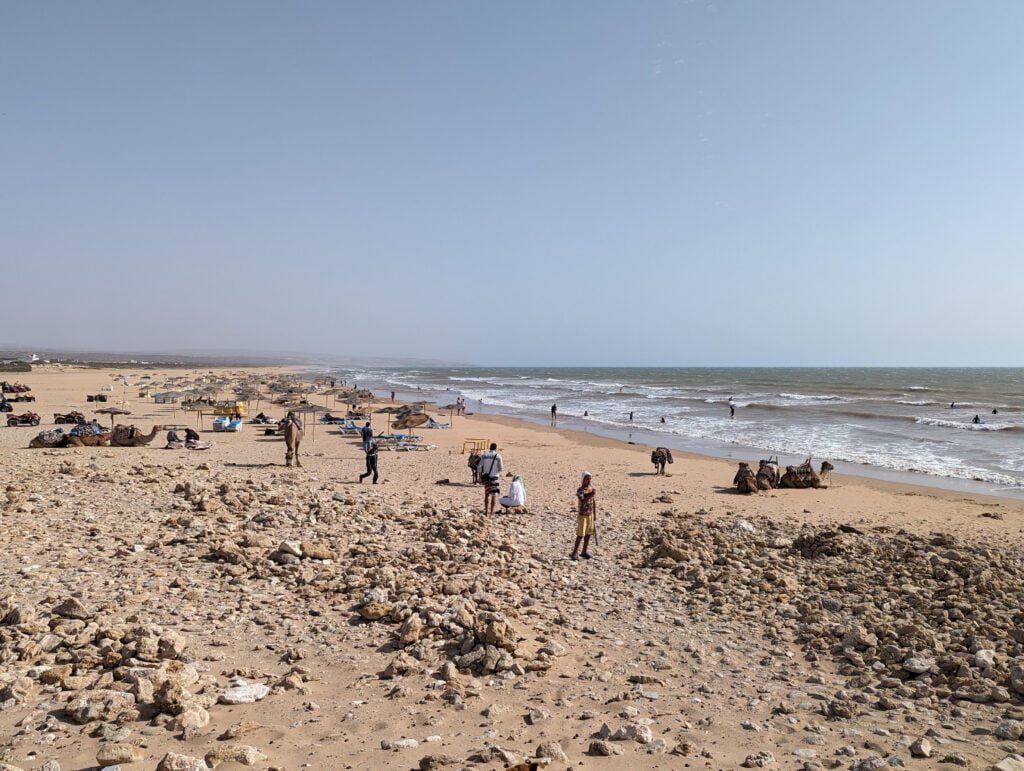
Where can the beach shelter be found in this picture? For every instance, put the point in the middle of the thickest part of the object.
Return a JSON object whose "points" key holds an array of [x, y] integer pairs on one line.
{"points": [[112, 411], [411, 420]]}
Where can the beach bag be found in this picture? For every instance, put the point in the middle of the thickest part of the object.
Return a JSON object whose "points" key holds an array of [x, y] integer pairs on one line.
{"points": [[668, 454]]}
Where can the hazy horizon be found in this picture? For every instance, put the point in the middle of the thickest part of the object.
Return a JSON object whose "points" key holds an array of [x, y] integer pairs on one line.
{"points": [[653, 184]]}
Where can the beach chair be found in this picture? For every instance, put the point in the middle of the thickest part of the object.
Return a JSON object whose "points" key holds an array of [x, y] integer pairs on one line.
{"points": [[431, 423]]}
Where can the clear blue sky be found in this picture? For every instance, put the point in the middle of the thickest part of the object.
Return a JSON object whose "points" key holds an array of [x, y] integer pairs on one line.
{"points": [[572, 182]]}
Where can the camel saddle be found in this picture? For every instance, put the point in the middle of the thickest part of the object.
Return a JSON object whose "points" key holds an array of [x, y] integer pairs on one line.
{"points": [[53, 436], [804, 469], [124, 433]]}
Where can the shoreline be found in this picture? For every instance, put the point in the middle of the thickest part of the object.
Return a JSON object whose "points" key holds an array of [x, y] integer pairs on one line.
{"points": [[738, 452]]}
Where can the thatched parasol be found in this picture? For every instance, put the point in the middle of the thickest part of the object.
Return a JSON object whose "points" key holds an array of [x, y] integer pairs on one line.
{"points": [[411, 420], [112, 411], [307, 407]]}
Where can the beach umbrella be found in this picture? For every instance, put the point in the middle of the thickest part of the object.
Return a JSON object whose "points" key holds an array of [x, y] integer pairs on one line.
{"points": [[451, 412], [411, 420], [306, 408], [389, 411], [112, 411]]}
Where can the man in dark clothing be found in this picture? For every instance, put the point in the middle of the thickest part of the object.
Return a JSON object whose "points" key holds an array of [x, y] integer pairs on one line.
{"points": [[371, 462], [367, 434]]}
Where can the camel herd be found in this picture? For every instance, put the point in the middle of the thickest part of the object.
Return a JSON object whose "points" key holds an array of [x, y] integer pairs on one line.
{"points": [[120, 436], [768, 477]]}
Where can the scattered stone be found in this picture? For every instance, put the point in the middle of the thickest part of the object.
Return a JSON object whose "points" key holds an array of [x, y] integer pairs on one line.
{"points": [[100, 705], [244, 693], [921, 748], [240, 753], [552, 750], [759, 759], [116, 753], [175, 762], [604, 748], [398, 744]]}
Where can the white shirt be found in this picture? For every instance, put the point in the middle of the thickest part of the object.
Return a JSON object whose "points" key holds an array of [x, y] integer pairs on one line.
{"points": [[490, 464], [516, 495]]}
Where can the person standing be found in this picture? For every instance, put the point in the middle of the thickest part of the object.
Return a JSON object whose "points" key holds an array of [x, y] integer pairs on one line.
{"points": [[586, 498], [489, 470], [371, 462], [554, 414], [732, 408], [631, 416], [367, 433]]}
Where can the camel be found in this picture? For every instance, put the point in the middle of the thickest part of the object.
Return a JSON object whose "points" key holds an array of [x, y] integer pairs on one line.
{"points": [[49, 439], [292, 438], [768, 474], [745, 480], [129, 436], [803, 476], [90, 440], [659, 458]]}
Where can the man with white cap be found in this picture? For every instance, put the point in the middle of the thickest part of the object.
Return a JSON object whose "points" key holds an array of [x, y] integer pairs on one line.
{"points": [[586, 496]]}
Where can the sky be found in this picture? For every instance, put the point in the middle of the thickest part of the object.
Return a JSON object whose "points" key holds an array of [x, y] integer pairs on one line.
{"points": [[581, 182]]}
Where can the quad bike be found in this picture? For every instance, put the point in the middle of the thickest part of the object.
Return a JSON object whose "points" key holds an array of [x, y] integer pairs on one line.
{"points": [[70, 417], [96, 398], [25, 419], [5, 407], [21, 397]]}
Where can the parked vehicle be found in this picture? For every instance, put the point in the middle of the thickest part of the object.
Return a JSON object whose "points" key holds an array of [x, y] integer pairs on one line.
{"points": [[71, 417], [25, 419], [6, 407], [20, 397], [13, 388], [96, 398]]}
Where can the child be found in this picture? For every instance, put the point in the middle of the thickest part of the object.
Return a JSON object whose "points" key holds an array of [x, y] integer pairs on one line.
{"points": [[586, 495]]}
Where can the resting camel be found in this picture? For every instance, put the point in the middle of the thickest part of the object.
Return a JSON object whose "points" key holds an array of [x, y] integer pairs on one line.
{"points": [[292, 438], [803, 476], [90, 440], [129, 436], [659, 458], [768, 474], [745, 480], [46, 439]]}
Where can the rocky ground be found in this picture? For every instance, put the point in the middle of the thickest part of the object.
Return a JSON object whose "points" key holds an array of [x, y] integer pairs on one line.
{"points": [[169, 610]]}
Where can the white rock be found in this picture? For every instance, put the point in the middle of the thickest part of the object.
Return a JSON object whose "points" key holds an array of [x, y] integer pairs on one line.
{"points": [[398, 744], [244, 693]]}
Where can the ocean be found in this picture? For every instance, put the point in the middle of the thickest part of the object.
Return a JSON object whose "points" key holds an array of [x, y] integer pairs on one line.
{"points": [[906, 424]]}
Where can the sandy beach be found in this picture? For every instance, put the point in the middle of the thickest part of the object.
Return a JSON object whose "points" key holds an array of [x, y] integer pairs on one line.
{"points": [[392, 626]]}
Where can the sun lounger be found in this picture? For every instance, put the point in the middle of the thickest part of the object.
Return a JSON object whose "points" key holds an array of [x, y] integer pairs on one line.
{"points": [[395, 441], [431, 423]]}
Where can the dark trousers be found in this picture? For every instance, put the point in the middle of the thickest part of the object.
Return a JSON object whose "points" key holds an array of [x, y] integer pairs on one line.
{"points": [[371, 468]]}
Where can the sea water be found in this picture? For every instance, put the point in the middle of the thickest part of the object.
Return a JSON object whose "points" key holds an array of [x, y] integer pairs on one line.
{"points": [[916, 422]]}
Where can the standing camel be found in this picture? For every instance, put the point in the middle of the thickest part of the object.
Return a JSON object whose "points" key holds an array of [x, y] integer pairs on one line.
{"points": [[292, 438]]}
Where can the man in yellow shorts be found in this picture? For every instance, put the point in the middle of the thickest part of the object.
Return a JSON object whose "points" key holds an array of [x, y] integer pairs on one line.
{"points": [[586, 496]]}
